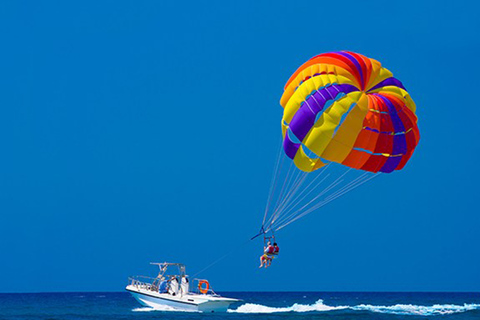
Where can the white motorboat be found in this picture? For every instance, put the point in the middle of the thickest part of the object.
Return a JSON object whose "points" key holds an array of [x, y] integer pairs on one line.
{"points": [[173, 291]]}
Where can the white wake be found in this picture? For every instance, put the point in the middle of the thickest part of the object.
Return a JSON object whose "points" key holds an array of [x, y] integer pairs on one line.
{"points": [[409, 309], [258, 308], [400, 309]]}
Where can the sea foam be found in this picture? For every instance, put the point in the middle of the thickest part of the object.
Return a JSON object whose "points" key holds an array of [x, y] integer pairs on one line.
{"points": [[258, 308], [400, 309], [409, 309]]}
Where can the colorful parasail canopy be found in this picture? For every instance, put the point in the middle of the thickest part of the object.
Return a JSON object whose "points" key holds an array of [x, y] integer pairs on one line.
{"points": [[344, 107]]}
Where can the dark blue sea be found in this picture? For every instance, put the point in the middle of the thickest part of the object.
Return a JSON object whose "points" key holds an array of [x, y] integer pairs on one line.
{"points": [[255, 305]]}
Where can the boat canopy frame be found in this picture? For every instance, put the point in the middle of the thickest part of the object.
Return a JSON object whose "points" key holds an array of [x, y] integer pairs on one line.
{"points": [[163, 267]]}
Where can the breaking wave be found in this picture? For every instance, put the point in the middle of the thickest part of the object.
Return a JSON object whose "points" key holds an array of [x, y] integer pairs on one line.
{"points": [[399, 309]]}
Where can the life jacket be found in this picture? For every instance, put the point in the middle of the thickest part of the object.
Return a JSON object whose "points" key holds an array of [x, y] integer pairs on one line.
{"points": [[276, 249], [270, 250]]}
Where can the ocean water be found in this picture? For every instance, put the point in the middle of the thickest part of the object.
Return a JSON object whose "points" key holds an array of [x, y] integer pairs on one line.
{"points": [[255, 305]]}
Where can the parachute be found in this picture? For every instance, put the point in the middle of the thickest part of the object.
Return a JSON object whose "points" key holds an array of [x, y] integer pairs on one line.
{"points": [[346, 119]]}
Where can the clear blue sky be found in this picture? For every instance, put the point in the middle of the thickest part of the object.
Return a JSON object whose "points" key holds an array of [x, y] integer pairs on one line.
{"points": [[138, 131]]}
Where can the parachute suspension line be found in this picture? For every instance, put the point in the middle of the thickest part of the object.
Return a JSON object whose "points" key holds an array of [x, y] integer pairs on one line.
{"points": [[333, 194], [296, 182], [325, 202], [292, 201], [324, 191], [294, 179], [293, 190], [286, 181], [295, 203], [287, 213], [300, 212], [351, 183], [338, 194], [273, 183]]}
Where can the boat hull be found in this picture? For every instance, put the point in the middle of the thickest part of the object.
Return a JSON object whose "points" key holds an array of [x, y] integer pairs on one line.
{"points": [[190, 302]]}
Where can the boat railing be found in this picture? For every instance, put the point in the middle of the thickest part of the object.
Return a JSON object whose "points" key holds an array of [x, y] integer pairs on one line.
{"points": [[143, 282]]}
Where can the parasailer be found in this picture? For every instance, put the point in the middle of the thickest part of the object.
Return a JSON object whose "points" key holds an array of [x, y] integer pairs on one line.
{"points": [[345, 120], [266, 258], [276, 249], [269, 252]]}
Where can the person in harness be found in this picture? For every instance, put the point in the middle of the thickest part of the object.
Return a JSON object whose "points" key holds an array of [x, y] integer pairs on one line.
{"points": [[266, 258], [269, 252], [276, 249]]}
